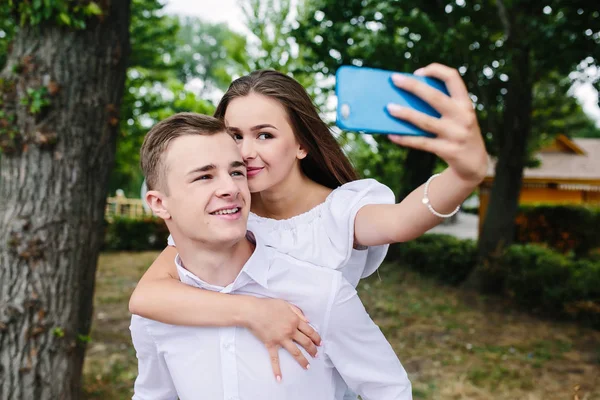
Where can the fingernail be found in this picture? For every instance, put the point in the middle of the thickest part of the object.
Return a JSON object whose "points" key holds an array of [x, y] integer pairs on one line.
{"points": [[278, 378], [394, 107], [307, 366], [398, 78], [420, 71]]}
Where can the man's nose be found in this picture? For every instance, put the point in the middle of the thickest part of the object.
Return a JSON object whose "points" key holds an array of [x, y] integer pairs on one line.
{"points": [[228, 187]]}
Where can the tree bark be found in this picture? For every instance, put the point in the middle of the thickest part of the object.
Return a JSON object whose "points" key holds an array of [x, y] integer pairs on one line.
{"points": [[499, 226], [53, 187]]}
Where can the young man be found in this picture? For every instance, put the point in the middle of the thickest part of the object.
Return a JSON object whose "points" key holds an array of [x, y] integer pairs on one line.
{"points": [[197, 184]]}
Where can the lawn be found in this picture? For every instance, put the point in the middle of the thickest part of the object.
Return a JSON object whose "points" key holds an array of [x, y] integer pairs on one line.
{"points": [[454, 345]]}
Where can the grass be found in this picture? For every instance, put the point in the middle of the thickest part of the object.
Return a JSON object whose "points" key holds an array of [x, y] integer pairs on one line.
{"points": [[454, 345]]}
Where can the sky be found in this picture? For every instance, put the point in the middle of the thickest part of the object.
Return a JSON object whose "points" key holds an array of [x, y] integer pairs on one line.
{"points": [[210, 10], [229, 12]]}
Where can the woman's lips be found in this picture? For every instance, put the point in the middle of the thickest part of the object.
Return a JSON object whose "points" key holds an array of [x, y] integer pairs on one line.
{"points": [[252, 171]]}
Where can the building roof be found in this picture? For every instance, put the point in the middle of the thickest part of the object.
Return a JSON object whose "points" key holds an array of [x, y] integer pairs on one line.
{"points": [[562, 161]]}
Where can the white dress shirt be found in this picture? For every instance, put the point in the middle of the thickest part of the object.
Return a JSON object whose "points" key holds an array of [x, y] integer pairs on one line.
{"points": [[229, 363]]}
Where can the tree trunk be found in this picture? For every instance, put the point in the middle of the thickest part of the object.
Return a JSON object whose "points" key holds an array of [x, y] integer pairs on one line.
{"points": [[417, 168], [499, 226], [53, 185]]}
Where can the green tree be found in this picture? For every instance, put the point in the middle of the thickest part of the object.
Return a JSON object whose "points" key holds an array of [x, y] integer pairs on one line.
{"points": [[212, 53], [555, 112], [503, 49], [7, 28], [152, 63], [168, 53], [60, 94]]}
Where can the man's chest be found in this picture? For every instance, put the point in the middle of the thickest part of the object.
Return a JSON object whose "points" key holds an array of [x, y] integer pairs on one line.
{"points": [[230, 363]]}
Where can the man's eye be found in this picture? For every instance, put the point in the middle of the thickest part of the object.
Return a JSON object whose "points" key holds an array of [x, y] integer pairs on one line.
{"points": [[203, 178], [237, 173]]}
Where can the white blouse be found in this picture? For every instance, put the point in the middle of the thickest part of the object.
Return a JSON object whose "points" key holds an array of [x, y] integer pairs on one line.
{"points": [[324, 235]]}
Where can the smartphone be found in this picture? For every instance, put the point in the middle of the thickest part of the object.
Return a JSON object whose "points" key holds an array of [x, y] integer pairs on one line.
{"points": [[363, 94]]}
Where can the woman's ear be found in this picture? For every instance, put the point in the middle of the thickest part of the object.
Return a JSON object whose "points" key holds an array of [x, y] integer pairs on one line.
{"points": [[156, 200], [302, 153]]}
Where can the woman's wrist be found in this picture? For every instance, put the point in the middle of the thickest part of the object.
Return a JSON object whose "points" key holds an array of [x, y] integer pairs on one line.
{"points": [[462, 183], [243, 316]]}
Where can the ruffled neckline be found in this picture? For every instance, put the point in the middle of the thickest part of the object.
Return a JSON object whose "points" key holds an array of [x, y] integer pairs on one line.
{"points": [[290, 223]]}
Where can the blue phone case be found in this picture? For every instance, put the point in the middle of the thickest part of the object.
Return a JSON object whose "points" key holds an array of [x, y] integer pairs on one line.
{"points": [[363, 94]]}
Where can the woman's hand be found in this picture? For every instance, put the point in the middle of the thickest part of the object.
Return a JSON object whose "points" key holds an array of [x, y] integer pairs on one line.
{"points": [[279, 324], [459, 141]]}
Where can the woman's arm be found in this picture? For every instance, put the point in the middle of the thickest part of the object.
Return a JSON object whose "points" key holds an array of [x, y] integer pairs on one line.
{"points": [[458, 141], [162, 297]]}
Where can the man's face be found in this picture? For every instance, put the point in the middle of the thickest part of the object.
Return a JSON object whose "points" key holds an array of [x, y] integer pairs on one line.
{"points": [[208, 198]]}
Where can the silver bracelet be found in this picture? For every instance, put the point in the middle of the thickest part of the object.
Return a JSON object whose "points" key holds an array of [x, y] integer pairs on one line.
{"points": [[428, 204]]}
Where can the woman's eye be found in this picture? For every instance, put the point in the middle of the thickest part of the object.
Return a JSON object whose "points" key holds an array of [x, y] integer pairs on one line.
{"points": [[263, 136], [237, 136]]}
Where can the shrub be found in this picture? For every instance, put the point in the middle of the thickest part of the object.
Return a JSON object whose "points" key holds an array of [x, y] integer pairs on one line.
{"points": [[534, 277], [442, 256], [551, 282], [126, 234], [565, 228]]}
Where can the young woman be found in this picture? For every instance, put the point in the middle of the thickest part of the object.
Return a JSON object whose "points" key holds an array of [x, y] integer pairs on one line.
{"points": [[308, 202]]}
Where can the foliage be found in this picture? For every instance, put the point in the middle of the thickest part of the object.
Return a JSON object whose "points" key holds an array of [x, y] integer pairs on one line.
{"points": [[556, 112], [127, 234], [533, 276], [495, 45], [153, 90], [36, 99], [539, 278], [565, 228], [7, 28], [445, 257], [184, 65], [272, 45], [469, 36], [211, 53], [68, 13]]}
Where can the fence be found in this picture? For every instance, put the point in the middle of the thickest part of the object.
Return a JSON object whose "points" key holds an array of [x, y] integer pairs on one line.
{"points": [[121, 206]]}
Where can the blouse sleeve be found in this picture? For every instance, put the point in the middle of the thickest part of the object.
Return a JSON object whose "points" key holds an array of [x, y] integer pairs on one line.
{"points": [[343, 205]]}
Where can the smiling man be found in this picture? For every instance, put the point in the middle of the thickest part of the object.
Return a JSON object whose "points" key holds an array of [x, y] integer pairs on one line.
{"points": [[197, 184]]}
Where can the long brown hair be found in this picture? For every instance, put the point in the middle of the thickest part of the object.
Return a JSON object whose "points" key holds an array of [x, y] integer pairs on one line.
{"points": [[325, 162]]}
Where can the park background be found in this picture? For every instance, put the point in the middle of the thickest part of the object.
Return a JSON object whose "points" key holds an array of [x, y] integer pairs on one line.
{"points": [[509, 310]]}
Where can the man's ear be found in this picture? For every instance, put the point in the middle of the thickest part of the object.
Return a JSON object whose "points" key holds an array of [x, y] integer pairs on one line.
{"points": [[156, 200]]}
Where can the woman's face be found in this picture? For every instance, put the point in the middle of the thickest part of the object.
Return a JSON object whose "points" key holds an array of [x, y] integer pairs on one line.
{"points": [[266, 139]]}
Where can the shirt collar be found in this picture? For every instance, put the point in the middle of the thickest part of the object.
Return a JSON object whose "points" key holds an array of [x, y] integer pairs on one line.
{"points": [[256, 269]]}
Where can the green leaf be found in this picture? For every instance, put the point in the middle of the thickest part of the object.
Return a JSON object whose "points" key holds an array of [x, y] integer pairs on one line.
{"points": [[64, 18], [93, 9]]}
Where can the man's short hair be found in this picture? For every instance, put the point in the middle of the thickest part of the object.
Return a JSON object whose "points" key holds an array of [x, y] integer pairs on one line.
{"points": [[160, 136]]}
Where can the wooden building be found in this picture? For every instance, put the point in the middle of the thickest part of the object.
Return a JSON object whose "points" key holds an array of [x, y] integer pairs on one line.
{"points": [[569, 172]]}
